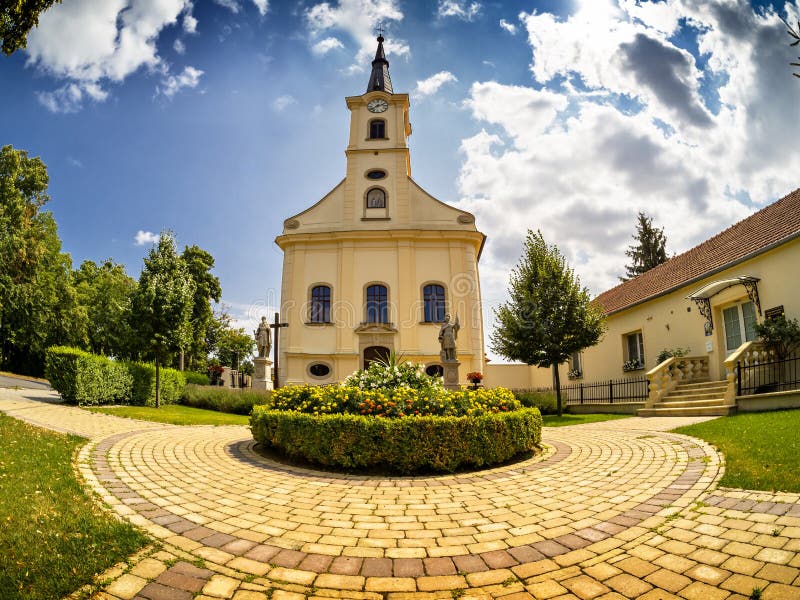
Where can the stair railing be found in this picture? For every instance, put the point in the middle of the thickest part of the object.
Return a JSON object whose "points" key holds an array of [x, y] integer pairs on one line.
{"points": [[748, 354], [666, 376]]}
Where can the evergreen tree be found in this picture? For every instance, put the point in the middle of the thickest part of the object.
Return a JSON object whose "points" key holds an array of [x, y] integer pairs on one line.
{"points": [[794, 33], [207, 288], [650, 249], [549, 315], [162, 304]]}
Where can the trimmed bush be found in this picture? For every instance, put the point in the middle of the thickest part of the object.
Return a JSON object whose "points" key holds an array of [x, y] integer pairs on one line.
{"points": [[143, 391], [393, 402], [238, 402], [403, 445], [84, 378], [545, 401], [196, 378]]}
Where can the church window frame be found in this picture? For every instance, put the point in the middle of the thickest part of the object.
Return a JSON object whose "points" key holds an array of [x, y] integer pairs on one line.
{"points": [[377, 129], [434, 302], [320, 300], [318, 366], [375, 198], [376, 303], [375, 174]]}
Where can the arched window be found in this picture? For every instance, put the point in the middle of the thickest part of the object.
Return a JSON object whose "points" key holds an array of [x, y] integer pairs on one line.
{"points": [[377, 129], [377, 304], [433, 297], [320, 304], [376, 198]]}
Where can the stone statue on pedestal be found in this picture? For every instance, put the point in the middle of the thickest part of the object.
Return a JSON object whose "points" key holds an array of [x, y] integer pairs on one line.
{"points": [[263, 338], [448, 333]]}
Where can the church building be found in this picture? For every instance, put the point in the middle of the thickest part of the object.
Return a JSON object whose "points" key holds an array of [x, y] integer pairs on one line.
{"points": [[376, 265]]}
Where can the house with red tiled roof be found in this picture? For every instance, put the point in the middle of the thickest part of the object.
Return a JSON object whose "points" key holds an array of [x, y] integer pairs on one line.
{"points": [[703, 304]]}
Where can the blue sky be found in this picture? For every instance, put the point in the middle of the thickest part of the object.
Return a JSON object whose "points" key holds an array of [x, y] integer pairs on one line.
{"points": [[218, 119]]}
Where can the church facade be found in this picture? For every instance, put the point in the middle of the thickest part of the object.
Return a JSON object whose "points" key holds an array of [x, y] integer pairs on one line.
{"points": [[377, 264]]}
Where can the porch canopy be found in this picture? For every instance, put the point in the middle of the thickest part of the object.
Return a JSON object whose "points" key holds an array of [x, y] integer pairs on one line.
{"points": [[702, 296]]}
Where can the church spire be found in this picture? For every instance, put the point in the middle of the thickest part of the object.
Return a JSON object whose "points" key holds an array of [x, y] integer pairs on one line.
{"points": [[379, 78]]}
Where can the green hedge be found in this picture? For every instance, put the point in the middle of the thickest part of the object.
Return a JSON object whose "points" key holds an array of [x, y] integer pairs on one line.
{"points": [[403, 445], [144, 384], [238, 402], [545, 401], [196, 378], [84, 378]]}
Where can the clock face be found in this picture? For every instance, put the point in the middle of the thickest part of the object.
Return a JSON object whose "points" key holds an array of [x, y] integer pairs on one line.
{"points": [[377, 106]]}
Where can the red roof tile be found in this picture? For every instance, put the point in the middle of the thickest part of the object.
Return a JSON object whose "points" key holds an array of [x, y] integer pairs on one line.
{"points": [[774, 224]]}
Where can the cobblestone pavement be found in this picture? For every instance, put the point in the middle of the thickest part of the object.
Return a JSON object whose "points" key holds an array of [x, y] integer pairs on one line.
{"points": [[620, 509]]}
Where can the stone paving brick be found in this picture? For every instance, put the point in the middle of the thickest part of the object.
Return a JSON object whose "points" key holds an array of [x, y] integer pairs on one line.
{"points": [[220, 586], [627, 585], [585, 587], [668, 580], [708, 574], [546, 589], [777, 591], [340, 582], [703, 591], [175, 579], [157, 591], [126, 586]]}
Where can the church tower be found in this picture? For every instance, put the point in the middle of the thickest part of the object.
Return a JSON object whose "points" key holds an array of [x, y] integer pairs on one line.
{"points": [[376, 264]]}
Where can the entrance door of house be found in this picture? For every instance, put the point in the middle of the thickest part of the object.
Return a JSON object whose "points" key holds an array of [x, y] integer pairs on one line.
{"points": [[373, 353], [740, 325]]}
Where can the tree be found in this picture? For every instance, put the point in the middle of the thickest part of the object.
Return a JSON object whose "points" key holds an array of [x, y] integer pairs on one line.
{"points": [[234, 347], [38, 304], [794, 33], [548, 316], [106, 291], [162, 304], [17, 18], [650, 249], [781, 335], [207, 288]]}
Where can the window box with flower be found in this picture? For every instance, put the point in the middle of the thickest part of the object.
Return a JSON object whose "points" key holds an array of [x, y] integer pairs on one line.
{"points": [[632, 365]]}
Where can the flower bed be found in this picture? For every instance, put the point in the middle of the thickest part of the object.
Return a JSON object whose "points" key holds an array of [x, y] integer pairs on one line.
{"points": [[396, 418]]}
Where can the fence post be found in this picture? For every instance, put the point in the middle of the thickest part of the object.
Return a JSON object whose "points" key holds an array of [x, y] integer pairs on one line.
{"points": [[611, 391], [738, 378], [581, 392]]}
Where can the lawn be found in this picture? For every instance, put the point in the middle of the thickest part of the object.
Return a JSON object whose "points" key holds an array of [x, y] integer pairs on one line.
{"points": [[762, 450], [174, 414], [556, 421], [53, 537]]}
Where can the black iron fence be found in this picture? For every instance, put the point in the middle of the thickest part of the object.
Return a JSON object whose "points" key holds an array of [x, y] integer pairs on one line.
{"points": [[765, 377], [606, 392]]}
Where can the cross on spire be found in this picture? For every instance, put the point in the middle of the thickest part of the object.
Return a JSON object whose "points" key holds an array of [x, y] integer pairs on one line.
{"points": [[379, 29]]}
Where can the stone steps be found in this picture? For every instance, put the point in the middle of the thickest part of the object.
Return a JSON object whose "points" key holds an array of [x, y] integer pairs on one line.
{"points": [[698, 398]]}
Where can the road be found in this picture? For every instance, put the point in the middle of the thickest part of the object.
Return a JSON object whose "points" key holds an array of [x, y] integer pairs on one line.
{"points": [[10, 382]]}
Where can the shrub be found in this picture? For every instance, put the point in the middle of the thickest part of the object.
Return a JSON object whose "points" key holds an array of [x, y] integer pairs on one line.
{"points": [[84, 378], [403, 445], [224, 400], [545, 401], [781, 335], [143, 391], [670, 352], [393, 402], [393, 374], [196, 378]]}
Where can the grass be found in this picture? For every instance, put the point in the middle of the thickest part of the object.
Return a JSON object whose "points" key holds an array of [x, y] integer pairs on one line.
{"points": [[174, 414], [762, 450], [556, 421], [53, 538]]}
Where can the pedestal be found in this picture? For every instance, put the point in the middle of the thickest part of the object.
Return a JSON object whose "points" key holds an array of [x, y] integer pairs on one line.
{"points": [[450, 375], [262, 374]]}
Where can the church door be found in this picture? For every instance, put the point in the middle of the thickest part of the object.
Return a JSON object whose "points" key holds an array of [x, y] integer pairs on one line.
{"points": [[373, 353]]}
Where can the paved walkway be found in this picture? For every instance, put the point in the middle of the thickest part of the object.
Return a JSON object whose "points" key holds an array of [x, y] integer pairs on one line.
{"points": [[620, 509]]}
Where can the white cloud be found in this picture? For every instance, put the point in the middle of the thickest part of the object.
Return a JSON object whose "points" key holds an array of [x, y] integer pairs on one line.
{"points": [[466, 11], [189, 23], [635, 127], [357, 18], [431, 85], [71, 160], [89, 44], [171, 85], [324, 46], [509, 27], [281, 103], [231, 5], [142, 238], [262, 6], [179, 46]]}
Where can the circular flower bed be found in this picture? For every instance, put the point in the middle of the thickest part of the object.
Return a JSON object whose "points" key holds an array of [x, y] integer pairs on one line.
{"points": [[396, 418]]}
